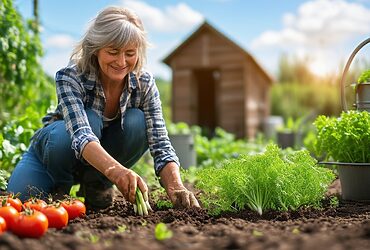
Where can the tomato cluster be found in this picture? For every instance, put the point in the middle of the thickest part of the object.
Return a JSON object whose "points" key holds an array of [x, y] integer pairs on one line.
{"points": [[35, 216]]}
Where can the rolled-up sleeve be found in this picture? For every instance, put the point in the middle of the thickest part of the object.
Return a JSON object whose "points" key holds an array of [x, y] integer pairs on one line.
{"points": [[70, 102], [159, 143]]}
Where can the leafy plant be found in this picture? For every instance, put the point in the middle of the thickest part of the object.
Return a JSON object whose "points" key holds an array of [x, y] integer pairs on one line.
{"points": [[345, 138], [274, 179], [223, 146], [160, 198], [364, 77], [3, 179], [162, 232], [291, 125], [178, 128], [15, 137]]}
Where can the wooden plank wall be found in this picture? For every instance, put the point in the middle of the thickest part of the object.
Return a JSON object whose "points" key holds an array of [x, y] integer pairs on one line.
{"points": [[241, 98], [182, 100], [257, 102]]}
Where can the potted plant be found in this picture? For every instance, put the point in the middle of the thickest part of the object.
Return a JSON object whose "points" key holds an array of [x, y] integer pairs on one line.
{"points": [[345, 142], [362, 90], [289, 134], [182, 140]]}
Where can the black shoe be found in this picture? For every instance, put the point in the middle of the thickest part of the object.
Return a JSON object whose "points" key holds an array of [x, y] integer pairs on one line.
{"points": [[97, 190]]}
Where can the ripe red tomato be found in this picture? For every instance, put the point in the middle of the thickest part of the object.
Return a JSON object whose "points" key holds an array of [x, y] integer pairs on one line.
{"points": [[35, 203], [13, 201], [57, 216], [30, 223], [10, 215], [74, 207], [2, 225]]}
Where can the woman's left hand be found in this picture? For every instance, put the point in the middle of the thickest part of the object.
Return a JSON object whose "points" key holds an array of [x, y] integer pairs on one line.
{"points": [[182, 197], [179, 195]]}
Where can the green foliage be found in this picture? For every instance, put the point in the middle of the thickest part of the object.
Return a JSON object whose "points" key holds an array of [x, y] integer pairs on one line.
{"points": [[26, 91], [345, 138], [179, 128], [364, 77], [291, 125], [160, 199], [274, 179], [334, 201], [164, 88], [21, 76], [162, 232], [294, 70], [3, 179], [15, 137], [223, 146], [294, 99]]}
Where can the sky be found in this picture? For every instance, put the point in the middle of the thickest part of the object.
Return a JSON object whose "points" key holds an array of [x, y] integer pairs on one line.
{"points": [[323, 32]]}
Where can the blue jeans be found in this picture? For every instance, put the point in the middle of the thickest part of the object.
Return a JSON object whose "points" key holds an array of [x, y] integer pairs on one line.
{"points": [[50, 163]]}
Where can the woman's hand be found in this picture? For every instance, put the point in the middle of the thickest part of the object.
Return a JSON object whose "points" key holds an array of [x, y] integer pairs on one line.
{"points": [[127, 181], [179, 195], [182, 197]]}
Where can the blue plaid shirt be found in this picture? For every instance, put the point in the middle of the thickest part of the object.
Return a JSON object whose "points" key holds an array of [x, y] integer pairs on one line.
{"points": [[78, 92]]}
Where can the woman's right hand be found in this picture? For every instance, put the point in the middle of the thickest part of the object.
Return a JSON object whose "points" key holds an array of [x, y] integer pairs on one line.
{"points": [[127, 181]]}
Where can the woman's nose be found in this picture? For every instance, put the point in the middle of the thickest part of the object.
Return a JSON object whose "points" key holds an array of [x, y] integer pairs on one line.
{"points": [[121, 60]]}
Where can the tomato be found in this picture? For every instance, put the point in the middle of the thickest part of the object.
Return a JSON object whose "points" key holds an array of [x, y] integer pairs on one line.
{"points": [[2, 225], [13, 201], [35, 203], [57, 216], [10, 215], [30, 223], [74, 207]]}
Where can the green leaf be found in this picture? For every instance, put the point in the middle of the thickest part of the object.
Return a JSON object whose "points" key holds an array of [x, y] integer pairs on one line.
{"points": [[162, 232]]}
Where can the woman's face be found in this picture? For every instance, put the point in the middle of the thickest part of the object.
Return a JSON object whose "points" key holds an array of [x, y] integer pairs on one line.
{"points": [[115, 64]]}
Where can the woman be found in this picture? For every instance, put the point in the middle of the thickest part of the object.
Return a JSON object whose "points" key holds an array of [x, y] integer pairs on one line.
{"points": [[108, 114]]}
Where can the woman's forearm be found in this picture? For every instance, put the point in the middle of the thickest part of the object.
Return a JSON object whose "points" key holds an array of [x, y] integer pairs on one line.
{"points": [[96, 155]]}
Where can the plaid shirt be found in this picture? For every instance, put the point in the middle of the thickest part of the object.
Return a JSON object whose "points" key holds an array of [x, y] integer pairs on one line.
{"points": [[78, 92]]}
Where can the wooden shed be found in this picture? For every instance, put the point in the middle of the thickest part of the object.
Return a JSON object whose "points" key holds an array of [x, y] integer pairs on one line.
{"points": [[216, 83]]}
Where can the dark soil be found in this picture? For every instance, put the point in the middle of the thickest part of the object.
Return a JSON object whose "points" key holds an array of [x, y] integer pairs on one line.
{"points": [[346, 226]]}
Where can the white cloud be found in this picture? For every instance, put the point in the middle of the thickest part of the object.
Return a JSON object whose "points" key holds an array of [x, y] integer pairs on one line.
{"points": [[317, 29], [168, 19], [60, 41], [54, 61]]}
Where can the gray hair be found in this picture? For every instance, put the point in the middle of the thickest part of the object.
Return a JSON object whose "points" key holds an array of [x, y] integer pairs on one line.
{"points": [[116, 27]]}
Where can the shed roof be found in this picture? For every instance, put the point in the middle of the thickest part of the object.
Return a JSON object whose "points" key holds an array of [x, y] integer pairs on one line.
{"points": [[205, 26]]}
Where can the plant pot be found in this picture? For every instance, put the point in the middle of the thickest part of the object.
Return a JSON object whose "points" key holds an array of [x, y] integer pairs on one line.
{"points": [[287, 139], [355, 181], [184, 147], [363, 96]]}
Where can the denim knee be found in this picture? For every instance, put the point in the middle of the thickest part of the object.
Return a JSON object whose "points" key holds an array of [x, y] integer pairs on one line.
{"points": [[52, 145]]}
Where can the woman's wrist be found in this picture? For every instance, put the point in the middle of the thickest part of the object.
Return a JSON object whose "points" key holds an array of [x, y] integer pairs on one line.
{"points": [[170, 176]]}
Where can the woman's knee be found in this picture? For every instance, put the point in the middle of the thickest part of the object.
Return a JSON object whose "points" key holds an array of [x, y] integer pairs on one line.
{"points": [[30, 178]]}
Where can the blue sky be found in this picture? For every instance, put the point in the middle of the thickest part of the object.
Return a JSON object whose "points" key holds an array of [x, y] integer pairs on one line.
{"points": [[324, 32]]}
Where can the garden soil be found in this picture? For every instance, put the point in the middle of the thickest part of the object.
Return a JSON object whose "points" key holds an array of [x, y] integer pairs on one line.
{"points": [[346, 226]]}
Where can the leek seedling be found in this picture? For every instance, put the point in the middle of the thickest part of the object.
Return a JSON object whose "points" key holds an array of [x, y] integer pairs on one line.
{"points": [[142, 206]]}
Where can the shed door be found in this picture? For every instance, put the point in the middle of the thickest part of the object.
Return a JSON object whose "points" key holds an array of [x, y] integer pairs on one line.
{"points": [[206, 84]]}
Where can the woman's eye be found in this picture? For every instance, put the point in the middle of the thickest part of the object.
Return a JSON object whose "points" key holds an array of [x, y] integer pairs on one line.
{"points": [[113, 52]]}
